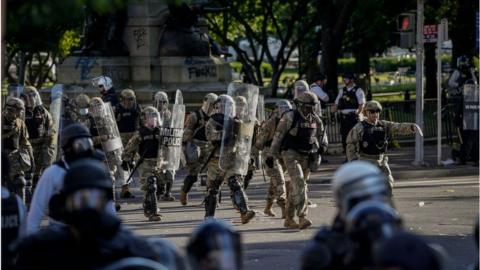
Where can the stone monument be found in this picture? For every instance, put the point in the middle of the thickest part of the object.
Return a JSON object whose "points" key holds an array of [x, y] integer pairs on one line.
{"points": [[163, 48]]}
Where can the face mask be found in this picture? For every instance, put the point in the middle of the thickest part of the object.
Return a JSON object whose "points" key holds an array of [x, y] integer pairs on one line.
{"points": [[83, 111]]}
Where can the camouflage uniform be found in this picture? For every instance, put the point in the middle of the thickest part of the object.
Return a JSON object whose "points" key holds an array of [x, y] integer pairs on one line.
{"points": [[297, 137], [16, 146], [356, 141], [276, 189]]}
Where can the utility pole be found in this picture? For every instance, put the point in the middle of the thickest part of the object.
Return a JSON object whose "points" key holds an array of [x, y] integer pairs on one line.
{"points": [[419, 86]]}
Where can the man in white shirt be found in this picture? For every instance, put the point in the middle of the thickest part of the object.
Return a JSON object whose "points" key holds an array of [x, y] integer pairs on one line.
{"points": [[317, 87], [349, 103]]}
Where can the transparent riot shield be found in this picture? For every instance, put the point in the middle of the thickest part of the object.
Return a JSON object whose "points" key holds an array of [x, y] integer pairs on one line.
{"points": [[171, 133], [106, 126], [261, 109], [56, 110], [15, 90], [470, 107], [238, 128]]}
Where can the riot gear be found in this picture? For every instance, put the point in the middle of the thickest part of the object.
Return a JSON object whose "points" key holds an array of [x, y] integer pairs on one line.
{"points": [[161, 101], [32, 98], [306, 103], [219, 104], [357, 181], [128, 98], [215, 245], [208, 102], [14, 108], [374, 140], [463, 62], [76, 142], [82, 103], [282, 106], [104, 83], [300, 87], [373, 105], [151, 117]]}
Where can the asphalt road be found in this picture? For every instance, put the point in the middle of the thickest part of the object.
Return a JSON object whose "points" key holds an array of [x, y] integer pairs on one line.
{"points": [[446, 217]]}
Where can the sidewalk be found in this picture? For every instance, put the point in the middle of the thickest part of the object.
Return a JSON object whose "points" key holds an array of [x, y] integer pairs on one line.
{"points": [[400, 161]]}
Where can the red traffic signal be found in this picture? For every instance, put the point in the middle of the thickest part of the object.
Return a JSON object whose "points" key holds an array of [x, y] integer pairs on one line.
{"points": [[406, 22]]}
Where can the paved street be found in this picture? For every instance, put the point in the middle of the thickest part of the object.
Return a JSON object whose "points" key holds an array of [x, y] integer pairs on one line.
{"points": [[450, 206]]}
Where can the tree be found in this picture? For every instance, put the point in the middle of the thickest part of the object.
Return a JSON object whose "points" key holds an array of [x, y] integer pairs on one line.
{"points": [[258, 21]]}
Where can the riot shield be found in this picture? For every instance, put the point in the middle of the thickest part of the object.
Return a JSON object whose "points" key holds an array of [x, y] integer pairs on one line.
{"points": [[111, 141], [470, 107], [238, 128], [56, 110], [15, 90], [261, 109], [171, 133]]}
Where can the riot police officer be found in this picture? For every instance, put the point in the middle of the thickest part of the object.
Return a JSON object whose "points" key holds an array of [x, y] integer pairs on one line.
{"points": [[276, 189], [298, 138], [368, 140], [145, 142], [214, 130], [353, 183], [16, 145], [127, 114], [215, 245], [463, 73], [105, 86], [197, 150], [92, 237], [349, 103], [165, 180], [40, 130], [76, 143], [82, 105]]}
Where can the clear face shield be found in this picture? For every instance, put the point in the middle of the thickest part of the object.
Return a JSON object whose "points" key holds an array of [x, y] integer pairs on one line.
{"points": [[87, 198], [128, 102], [97, 109], [83, 111], [32, 99], [161, 104], [240, 110], [152, 120]]}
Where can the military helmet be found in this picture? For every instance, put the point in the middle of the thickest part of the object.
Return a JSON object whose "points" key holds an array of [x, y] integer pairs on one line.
{"points": [[371, 215], [300, 87], [282, 106], [222, 101], [208, 102], [15, 103], [462, 61], [82, 101], [373, 105], [127, 93], [149, 109], [31, 97], [97, 106], [308, 98], [160, 100], [102, 82], [151, 117]]}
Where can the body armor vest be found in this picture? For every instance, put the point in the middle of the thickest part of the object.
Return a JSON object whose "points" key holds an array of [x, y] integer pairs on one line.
{"points": [[305, 138], [35, 121], [199, 128], [348, 99], [11, 141], [10, 224], [127, 119], [149, 142], [374, 140]]}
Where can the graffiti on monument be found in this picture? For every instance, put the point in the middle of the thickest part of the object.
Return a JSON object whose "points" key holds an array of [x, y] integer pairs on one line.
{"points": [[139, 36], [200, 68], [115, 73], [85, 64]]}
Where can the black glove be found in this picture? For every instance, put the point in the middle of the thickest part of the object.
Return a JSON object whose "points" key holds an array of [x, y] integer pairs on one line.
{"points": [[125, 165], [323, 149], [269, 162]]}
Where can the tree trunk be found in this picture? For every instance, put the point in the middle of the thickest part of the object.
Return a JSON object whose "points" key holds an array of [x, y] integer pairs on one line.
{"points": [[362, 69], [329, 64], [462, 32], [430, 71]]}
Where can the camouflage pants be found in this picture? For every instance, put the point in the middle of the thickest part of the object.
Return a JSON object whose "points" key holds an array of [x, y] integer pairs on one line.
{"points": [[276, 188], [43, 155], [148, 169], [195, 167], [214, 172], [299, 172], [126, 137], [121, 174], [382, 163]]}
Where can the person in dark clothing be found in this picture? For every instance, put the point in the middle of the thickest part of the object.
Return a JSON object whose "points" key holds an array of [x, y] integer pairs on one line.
{"points": [[93, 237], [105, 86]]}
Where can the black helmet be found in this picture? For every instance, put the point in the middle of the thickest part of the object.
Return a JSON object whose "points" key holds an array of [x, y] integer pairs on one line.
{"points": [[87, 173], [319, 77], [349, 75], [216, 242], [71, 132]]}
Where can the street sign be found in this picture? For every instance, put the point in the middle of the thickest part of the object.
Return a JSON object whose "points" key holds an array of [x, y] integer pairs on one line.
{"points": [[430, 33]]}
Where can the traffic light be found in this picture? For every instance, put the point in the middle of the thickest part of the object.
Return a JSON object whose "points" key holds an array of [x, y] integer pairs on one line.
{"points": [[406, 22]]}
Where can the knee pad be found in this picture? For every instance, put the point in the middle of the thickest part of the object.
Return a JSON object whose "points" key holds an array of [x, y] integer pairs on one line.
{"points": [[151, 184]]}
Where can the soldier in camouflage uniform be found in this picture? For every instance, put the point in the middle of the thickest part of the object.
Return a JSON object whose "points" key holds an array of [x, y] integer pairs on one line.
{"points": [[368, 140], [143, 148], [215, 175], [165, 178], [194, 133], [298, 139], [127, 115], [16, 146], [82, 105], [41, 133], [276, 189]]}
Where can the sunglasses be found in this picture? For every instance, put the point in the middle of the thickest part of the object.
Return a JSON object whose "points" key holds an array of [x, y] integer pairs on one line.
{"points": [[374, 111]]}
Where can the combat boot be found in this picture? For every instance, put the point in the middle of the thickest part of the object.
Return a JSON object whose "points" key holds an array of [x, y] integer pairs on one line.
{"points": [[125, 193], [268, 209], [304, 223], [290, 223], [155, 217], [183, 198], [168, 193], [247, 216], [281, 204]]}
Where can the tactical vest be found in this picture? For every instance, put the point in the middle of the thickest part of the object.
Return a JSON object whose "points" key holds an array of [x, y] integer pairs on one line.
{"points": [[199, 127], [465, 75], [305, 138], [12, 142], [36, 123], [10, 225], [348, 99], [127, 119], [374, 140], [149, 142]]}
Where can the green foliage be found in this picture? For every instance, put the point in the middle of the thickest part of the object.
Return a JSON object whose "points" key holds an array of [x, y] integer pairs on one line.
{"points": [[68, 41]]}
